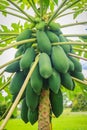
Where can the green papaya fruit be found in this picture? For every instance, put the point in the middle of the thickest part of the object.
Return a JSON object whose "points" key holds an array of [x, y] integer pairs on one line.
{"points": [[16, 83], [71, 65], [36, 81], [45, 67], [67, 81], [77, 64], [27, 58], [59, 59], [78, 75], [24, 111], [54, 81], [26, 34], [66, 47], [52, 36], [54, 26], [20, 51], [43, 42], [32, 116], [56, 103], [15, 96], [41, 25], [32, 99], [13, 67]]}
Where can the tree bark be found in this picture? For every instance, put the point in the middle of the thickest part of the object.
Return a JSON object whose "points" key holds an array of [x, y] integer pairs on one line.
{"points": [[44, 111]]}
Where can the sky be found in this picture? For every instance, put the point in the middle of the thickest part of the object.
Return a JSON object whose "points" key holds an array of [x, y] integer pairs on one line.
{"points": [[80, 29]]}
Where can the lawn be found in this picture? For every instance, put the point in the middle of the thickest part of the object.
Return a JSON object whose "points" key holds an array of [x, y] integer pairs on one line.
{"points": [[67, 121]]}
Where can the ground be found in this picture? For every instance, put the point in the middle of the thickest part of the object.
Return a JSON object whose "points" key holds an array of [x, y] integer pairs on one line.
{"points": [[67, 121]]}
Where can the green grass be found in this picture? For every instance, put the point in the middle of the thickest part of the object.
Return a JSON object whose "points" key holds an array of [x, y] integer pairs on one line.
{"points": [[67, 121]]}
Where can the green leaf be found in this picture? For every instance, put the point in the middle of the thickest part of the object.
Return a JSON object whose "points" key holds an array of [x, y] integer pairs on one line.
{"points": [[52, 6], [85, 54], [4, 2], [5, 29], [56, 2], [84, 38], [46, 3], [16, 27]]}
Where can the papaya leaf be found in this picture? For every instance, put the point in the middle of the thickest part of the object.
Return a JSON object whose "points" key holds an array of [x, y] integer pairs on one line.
{"points": [[56, 2], [3, 2], [46, 3], [84, 38], [51, 6], [85, 54], [16, 27]]}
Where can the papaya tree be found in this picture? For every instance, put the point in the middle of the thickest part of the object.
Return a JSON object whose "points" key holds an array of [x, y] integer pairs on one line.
{"points": [[45, 60]]}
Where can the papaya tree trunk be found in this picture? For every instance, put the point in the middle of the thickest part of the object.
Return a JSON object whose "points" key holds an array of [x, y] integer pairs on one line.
{"points": [[44, 111]]}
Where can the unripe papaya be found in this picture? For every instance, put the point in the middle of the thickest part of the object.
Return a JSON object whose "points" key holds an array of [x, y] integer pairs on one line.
{"points": [[59, 59], [32, 99], [67, 81], [43, 42], [15, 96], [54, 81], [52, 36], [20, 51], [77, 64], [45, 67], [78, 75], [71, 65], [27, 58], [54, 26], [16, 83], [57, 32], [32, 116], [36, 81], [13, 67], [56, 103], [24, 111], [41, 25], [26, 34], [65, 47]]}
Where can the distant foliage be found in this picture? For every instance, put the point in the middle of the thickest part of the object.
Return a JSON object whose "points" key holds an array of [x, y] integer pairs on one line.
{"points": [[79, 103]]}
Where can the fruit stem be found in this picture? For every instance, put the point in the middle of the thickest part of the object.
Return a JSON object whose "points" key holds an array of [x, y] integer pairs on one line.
{"points": [[7, 83], [13, 14], [6, 39], [41, 8], [2, 73], [20, 93], [80, 81], [79, 57], [73, 24], [11, 61], [17, 43], [68, 43], [74, 35], [22, 11], [6, 34], [80, 49], [67, 7], [54, 14], [34, 7], [9, 8], [59, 16]]}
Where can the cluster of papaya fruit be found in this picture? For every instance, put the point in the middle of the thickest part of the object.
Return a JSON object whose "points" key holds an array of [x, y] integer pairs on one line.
{"points": [[54, 70]]}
